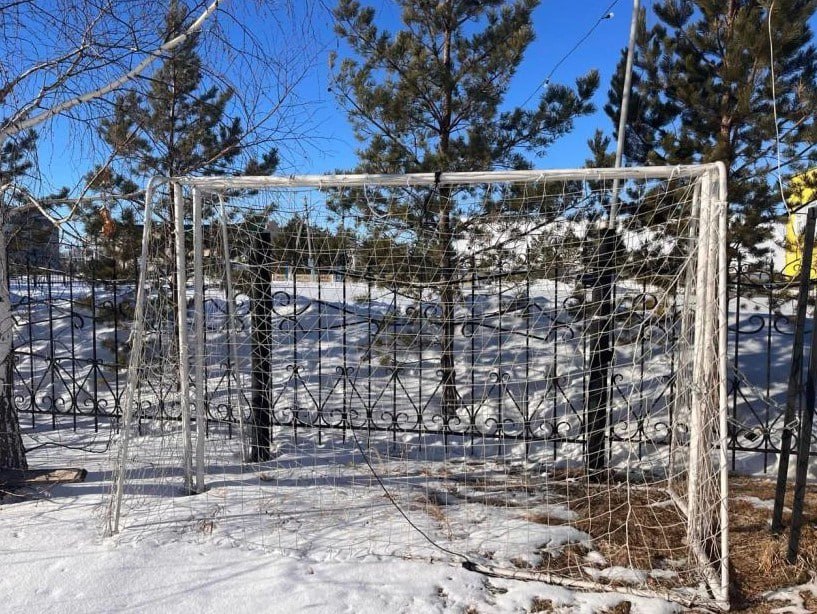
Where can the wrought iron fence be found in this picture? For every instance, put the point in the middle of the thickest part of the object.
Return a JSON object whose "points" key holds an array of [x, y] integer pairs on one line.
{"points": [[70, 334], [71, 349]]}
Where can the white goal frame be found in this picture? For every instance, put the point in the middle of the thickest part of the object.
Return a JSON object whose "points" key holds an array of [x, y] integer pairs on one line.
{"points": [[709, 361]]}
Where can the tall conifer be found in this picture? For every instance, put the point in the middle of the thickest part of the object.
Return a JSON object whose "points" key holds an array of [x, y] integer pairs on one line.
{"points": [[430, 96], [703, 91], [180, 126]]}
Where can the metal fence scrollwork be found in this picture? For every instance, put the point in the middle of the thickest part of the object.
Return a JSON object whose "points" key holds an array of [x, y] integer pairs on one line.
{"points": [[353, 355]]}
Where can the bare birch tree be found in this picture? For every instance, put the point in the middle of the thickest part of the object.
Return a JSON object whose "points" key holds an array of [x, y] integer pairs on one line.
{"points": [[68, 59]]}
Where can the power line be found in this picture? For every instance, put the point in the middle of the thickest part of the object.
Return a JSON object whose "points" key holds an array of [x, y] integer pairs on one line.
{"points": [[774, 110], [608, 14]]}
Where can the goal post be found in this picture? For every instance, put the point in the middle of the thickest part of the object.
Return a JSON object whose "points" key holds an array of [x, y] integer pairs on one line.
{"points": [[296, 334]]}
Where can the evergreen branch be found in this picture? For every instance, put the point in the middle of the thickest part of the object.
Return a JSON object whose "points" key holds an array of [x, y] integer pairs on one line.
{"points": [[382, 128], [370, 44], [768, 149]]}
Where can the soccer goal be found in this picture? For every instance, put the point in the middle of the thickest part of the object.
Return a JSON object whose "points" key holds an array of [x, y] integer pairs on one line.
{"points": [[524, 371]]}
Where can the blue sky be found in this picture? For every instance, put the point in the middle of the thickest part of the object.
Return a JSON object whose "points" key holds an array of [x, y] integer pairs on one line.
{"points": [[559, 25], [65, 153]]}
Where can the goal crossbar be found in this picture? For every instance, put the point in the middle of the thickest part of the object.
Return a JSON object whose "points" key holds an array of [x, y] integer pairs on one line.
{"points": [[217, 183]]}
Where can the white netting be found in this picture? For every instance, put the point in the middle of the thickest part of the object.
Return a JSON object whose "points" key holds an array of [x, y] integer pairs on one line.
{"points": [[465, 366]]}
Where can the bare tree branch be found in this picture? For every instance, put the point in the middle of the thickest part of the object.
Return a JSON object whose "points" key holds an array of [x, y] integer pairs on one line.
{"points": [[24, 122]]}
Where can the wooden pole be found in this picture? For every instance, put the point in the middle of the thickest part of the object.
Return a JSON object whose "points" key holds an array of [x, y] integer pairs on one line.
{"points": [[795, 373], [803, 439]]}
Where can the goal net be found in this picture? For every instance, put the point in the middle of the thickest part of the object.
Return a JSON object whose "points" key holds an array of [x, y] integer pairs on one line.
{"points": [[523, 371]]}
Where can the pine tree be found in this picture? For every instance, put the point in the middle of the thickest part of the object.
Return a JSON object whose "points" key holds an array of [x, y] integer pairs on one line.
{"points": [[180, 126], [429, 97], [704, 91], [16, 164], [16, 157], [41, 81]]}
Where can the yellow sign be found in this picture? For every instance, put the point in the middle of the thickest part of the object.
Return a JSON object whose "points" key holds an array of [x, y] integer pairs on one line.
{"points": [[802, 195]]}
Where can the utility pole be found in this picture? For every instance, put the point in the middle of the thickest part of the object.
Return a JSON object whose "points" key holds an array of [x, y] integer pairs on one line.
{"points": [[603, 274]]}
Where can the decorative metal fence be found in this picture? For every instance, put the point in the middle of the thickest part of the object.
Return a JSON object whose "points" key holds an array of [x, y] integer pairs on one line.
{"points": [[71, 349], [71, 329]]}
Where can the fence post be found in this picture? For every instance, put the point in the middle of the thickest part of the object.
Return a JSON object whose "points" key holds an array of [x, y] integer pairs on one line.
{"points": [[795, 373], [8, 389], [30, 337], [601, 354], [261, 309], [803, 449]]}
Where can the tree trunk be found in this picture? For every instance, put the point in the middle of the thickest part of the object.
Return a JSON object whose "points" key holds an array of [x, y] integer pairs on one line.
{"points": [[445, 236], [448, 296], [261, 334], [601, 351], [12, 452]]}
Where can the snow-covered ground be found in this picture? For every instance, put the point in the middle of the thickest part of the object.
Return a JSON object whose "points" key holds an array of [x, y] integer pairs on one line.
{"points": [[55, 559], [313, 529]]}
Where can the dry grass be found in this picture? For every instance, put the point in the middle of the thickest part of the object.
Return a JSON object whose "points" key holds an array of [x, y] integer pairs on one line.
{"points": [[809, 601], [641, 529], [538, 604], [638, 529], [758, 557], [433, 507], [435, 511], [634, 528]]}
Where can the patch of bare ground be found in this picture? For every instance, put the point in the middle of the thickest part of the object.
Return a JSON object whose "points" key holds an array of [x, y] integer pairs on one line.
{"points": [[758, 557], [539, 604], [809, 600], [641, 529], [633, 528]]}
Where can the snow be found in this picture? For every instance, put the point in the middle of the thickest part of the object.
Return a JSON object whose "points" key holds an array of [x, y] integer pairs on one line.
{"points": [[762, 504], [55, 560], [623, 575], [328, 546], [795, 598]]}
